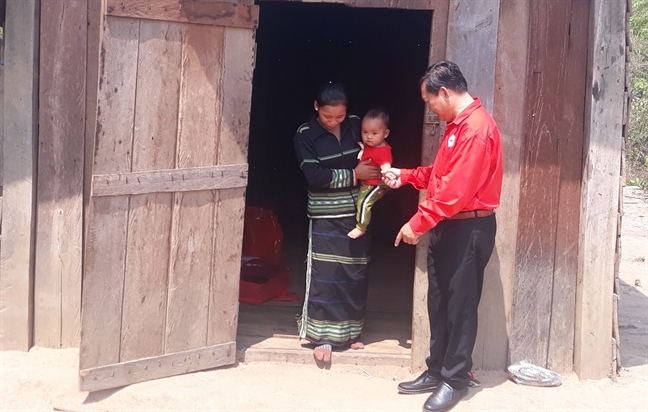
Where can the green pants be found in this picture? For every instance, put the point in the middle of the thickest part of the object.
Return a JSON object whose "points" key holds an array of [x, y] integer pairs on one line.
{"points": [[367, 196]]}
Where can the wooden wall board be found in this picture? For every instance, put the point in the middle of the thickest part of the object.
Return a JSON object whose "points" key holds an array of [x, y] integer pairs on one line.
{"points": [[106, 242], [600, 189], [19, 177], [149, 224], [560, 357], [197, 12], [238, 60], [171, 180], [192, 246], [472, 41], [472, 44], [491, 347], [57, 278], [540, 183], [432, 134], [140, 370]]}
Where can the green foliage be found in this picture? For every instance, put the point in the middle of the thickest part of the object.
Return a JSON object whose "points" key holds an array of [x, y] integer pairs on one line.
{"points": [[637, 145]]}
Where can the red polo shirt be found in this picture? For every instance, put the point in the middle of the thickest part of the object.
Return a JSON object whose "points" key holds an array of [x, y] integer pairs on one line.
{"points": [[467, 171]]}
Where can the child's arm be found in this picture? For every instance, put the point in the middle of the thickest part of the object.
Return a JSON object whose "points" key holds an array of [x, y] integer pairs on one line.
{"points": [[385, 166]]}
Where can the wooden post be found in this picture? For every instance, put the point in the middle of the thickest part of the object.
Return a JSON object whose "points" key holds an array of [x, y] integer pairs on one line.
{"points": [[19, 178], [600, 189], [472, 44], [57, 277], [508, 110], [431, 136]]}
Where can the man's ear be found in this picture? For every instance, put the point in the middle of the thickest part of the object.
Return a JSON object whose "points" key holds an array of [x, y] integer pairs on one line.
{"points": [[315, 105], [443, 91]]}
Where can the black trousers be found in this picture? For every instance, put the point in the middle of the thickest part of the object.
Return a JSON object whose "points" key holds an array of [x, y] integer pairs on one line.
{"points": [[459, 251]]}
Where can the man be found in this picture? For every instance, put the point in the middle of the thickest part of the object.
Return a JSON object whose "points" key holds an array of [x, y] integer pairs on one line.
{"points": [[463, 189]]}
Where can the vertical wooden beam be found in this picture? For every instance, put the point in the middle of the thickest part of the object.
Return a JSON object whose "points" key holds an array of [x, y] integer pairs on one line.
{"points": [[540, 182], [106, 244], [491, 348], [19, 151], [194, 214], [601, 189], [57, 278], [149, 223], [432, 133], [472, 42], [238, 60], [560, 355]]}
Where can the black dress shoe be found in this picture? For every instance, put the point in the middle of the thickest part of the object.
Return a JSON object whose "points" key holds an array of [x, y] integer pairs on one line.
{"points": [[444, 398], [422, 384]]}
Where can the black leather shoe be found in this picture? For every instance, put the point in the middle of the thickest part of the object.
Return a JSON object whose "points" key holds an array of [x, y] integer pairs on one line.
{"points": [[422, 384], [444, 398]]}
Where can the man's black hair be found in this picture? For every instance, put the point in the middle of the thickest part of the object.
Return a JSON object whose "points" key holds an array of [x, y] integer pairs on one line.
{"points": [[444, 74]]}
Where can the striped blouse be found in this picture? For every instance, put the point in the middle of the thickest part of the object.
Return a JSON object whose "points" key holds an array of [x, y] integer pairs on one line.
{"points": [[328, 167]]}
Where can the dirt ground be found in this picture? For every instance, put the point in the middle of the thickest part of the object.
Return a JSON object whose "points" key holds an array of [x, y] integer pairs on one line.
{"points": [[46, 379]]}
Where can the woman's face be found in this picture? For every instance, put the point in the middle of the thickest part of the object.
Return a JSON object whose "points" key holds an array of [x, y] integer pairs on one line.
{"points": [[331, 116]]}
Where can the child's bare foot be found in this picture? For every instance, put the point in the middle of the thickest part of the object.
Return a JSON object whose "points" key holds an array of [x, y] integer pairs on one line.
{"points": [[357, 345], [355, 233]]}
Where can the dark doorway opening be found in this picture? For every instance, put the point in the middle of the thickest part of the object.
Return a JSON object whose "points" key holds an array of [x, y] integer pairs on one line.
{"points": [[379, 55]]}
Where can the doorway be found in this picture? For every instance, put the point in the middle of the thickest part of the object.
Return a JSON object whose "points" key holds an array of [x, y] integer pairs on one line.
{"points": [[379, 55]]}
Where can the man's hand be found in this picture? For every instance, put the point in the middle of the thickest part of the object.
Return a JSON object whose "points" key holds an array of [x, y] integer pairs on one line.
{"points": [[391, 177], [407, 235], [365, 172]]}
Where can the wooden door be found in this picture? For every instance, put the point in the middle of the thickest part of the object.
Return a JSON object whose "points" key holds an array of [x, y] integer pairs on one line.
{"points": [[165, 213]]}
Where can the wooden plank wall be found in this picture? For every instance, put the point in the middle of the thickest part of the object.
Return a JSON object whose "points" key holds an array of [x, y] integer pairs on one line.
{"points": [[472, 44], [432, 134], [57, 278], [19, 151], [508, 110], [547, 240], [600, 189]]}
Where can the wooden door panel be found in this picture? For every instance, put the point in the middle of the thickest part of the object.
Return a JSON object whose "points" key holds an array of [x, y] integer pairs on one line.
{"points": [[165, 218], [103, 278], [149, 223]]}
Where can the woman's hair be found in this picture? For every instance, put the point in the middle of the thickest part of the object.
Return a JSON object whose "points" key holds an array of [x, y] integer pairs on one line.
{"points": [[378, 114], [444, 74], [332, 94]]}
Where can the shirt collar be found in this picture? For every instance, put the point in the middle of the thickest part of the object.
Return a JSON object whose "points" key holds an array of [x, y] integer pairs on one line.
{"points": [[467, 111], [316, 126]]}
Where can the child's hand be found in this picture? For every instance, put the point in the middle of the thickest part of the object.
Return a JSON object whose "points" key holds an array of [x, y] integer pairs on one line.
{"points": [[391, 177]]}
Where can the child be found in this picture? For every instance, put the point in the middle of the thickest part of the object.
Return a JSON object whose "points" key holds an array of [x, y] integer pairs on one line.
{"points": [[375, 129]]}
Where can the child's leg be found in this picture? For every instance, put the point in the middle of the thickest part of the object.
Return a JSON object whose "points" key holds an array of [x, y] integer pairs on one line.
{"points": [[362, 194], [366, 200]]}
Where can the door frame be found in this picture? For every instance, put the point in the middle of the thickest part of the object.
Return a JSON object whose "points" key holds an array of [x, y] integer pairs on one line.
{"points": [[432, 133]]}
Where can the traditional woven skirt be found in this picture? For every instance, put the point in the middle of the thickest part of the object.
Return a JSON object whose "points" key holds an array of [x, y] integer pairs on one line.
{"points": [[336, 283]]}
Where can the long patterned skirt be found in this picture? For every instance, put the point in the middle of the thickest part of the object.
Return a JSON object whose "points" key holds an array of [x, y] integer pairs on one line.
{"points": [[336, 283]]}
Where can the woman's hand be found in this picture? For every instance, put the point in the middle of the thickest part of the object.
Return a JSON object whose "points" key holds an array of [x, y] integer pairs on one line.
{"points": [[391, 177], [365, 172]]}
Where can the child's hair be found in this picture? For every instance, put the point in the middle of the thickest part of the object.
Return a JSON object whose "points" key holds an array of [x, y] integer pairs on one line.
{"points": [[378, 114], [332, 94]]}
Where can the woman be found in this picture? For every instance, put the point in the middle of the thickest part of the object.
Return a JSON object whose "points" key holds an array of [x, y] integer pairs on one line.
{"points": [[336, 273]]}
